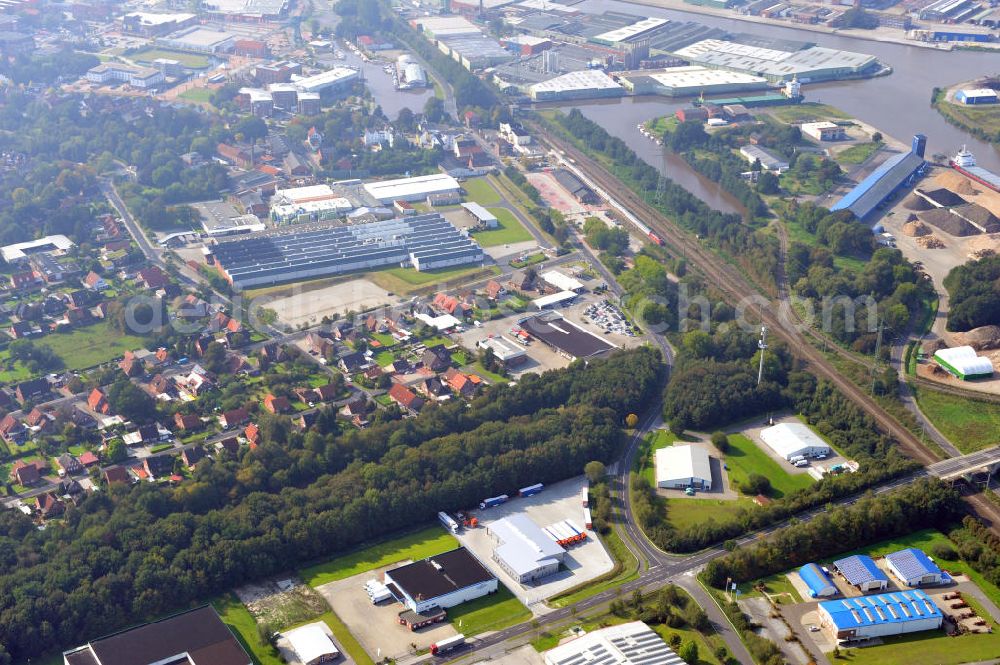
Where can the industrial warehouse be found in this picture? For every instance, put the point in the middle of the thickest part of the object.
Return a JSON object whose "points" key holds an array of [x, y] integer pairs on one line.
{"points": [[691, 80], [895, 173], [814, 63], [567, 338], [523, 549], [632, 643], [424, 242], [442, 581], [412, 189], [792, 440], [867, 617], [683, 466], [964, 363]]}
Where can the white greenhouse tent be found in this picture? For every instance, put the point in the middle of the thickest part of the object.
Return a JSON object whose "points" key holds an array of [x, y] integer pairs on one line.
{"points": [[312, 644], [964, 363], [679, 467], [793, 439]]}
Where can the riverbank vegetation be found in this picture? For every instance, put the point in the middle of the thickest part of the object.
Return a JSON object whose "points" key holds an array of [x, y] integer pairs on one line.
{"points": [[981, 121]]}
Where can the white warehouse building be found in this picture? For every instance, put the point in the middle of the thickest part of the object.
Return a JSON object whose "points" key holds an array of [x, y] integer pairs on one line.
{"points": [[441, 581], [790, 440], [683, 466], [632, 643], [524, 550], [412, 189]]}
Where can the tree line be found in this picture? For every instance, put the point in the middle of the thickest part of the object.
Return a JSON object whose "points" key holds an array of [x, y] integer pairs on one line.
{"points": [[974, 294], [925, 503], [130, 554]]}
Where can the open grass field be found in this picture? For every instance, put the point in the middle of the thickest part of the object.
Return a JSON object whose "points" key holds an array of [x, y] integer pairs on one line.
{"points": [[493, 612], [405, 280], [481, 191], [744, 458], [510, 230], [858, 153], [685, 513], [967, 423], [196, 94], [192, 60], [985, 119], [667, 123], [661, 438], [90, 345], [774, 585], [235, 615], [808, 112], [417, 545]]}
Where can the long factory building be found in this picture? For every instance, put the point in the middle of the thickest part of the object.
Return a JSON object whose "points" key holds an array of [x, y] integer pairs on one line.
{"points": [[424, 242], [895, 173]]}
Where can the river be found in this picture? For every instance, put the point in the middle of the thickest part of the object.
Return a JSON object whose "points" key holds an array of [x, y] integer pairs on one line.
{"points": [[898, 105], [381, 86]]}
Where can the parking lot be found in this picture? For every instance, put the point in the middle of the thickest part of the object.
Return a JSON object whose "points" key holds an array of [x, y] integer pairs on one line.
{"points": [[606, 315], [377, 627], [557, 502]]}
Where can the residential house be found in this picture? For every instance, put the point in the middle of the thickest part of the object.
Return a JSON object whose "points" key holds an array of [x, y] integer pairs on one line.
{"points": [[49, 505], [69, 464], [398, 366], [70, 488], [450, 305], [277, 405], [187, 422], [89, 459], [159, 466], [321, 346], [197, 383], [191, 456], [436, 358], [272, 353], [81, 298], [235, 155], [234, 418], [31, 390], [433, 388], [28, 473], [13, 430], [252, 433], [21, 329], [240, 338], [162, 385], [145, 435], [307, 419], [131, 365], [326, 392], [342, 330], [405, 398], [153, 278], [230, 445], [117, 475], [98, 402], [352, 362], [461, 383], [494, 290], [95, 281], [39, 420], [192, 307]]}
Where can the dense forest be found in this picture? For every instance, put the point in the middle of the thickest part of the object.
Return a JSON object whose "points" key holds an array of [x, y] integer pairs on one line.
{"points": [[974, 294], [126, 555], [754, 251], [925, 503]]}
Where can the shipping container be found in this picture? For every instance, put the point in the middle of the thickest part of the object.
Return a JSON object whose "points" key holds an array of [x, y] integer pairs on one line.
{"points": [[587, 521], [447, 644], [531, 489], [447, 522], [493, 501], [585, 496]]}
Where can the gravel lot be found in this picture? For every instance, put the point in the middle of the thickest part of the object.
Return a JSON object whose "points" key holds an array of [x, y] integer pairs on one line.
{"points": [[555, 503]]}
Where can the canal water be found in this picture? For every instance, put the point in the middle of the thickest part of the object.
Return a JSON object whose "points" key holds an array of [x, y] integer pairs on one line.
{"points": [[382, 88]]}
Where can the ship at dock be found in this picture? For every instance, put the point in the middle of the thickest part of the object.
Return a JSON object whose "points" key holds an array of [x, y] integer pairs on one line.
{"points": [[965, 163]]}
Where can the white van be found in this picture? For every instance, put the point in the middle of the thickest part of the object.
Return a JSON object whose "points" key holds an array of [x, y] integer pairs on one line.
{"points": [[802, 462], [795, 459]]}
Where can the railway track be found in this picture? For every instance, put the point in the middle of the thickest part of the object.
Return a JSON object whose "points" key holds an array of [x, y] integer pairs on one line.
{"points": [[735, 286]]}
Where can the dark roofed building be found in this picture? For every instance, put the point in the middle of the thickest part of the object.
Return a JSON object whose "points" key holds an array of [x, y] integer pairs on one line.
{"points": [[443, 580], [197, 637]]}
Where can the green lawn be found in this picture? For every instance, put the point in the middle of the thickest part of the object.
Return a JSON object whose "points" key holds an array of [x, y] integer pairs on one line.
{"points": [[192, 60], [661, 438], [493, 378], [383, 358], [91, 345], [493, 612], [773, 585], [528, 261], [662, 124], [686, 513], [985, 118], [706, 651], [745, 458], [510, 230], [16, 373], [404, 280], [385, 339], [858, 153], [417, 545], [481, 191], [235, 615], [196, 95], [969, 424], [808, 112]]}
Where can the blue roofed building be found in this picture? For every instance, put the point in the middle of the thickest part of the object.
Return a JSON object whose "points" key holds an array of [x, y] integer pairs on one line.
{"points": [[860, 571], [914, 568], [866, 617], [819, 584], [895, 173]]}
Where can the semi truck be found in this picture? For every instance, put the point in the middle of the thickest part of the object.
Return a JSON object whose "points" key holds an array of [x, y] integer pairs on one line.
{"points": [[447, 644], [448, 523], [531, 490], [493, 501]]}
